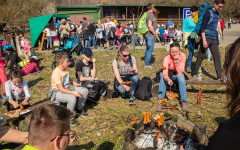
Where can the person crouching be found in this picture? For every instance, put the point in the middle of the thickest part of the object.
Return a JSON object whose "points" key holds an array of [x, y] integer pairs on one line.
{"points": [[175, 65], [125, 69]]}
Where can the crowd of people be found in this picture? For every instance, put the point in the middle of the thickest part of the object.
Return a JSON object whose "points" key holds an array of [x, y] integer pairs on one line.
{"points": [[49, 128]]}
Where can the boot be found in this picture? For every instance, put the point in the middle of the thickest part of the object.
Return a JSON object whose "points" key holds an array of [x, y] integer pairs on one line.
{"points": [[159, 107], [184, 106]]}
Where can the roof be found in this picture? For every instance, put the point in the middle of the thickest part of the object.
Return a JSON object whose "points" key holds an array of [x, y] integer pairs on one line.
{"points": [[99, 5]]}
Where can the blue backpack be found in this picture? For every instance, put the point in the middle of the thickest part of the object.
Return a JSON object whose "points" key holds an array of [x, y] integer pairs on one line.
{"points": [[203, 9], [7, 46]]}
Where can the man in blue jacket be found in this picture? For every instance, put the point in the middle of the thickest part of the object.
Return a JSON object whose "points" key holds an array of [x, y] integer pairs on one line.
{"points": [[209, 35]]}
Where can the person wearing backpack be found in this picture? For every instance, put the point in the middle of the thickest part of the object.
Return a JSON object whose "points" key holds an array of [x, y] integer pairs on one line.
{"points": [[150, 35], [189, 35], [209, 39], [175, 66], [125, 69]]}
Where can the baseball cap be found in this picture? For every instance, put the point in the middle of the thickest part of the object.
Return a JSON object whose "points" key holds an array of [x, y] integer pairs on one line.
{"points": [[87, 52]]}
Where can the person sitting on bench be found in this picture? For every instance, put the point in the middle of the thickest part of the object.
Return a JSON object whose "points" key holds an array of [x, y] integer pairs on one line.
{"points": [[175, 64], [125, 69], [65, 90]]}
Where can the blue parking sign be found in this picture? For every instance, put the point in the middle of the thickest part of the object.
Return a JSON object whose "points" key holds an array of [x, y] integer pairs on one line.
{"points": [[186, 13]]}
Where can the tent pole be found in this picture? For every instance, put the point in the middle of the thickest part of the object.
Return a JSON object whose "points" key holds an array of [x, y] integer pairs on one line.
{"points": [[43, 37]]}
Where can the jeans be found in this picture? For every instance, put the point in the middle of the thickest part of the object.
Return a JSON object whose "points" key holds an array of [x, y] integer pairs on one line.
{"points": [[49, 41], [182, 86], [121, 89], [213, 46], [150, 40], [191, 47], [90, 39]]}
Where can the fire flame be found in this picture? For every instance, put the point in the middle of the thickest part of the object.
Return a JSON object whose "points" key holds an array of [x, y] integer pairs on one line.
{"points": [[146, 118]]}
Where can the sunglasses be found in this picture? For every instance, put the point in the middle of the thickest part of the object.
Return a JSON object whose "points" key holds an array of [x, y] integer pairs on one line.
{"points": [[126, 55], [220, 6], [71, 135]]}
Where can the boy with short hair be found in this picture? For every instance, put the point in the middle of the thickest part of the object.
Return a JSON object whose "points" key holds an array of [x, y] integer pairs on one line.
{"points": [[49, 128], [86, 76], [65, 89]]}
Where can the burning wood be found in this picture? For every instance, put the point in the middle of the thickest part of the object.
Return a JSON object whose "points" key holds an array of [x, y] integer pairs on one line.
{"points": [[160, 134]]}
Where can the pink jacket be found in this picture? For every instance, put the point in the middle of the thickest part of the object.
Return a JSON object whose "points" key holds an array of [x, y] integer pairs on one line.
{"points": [[168, 62]]}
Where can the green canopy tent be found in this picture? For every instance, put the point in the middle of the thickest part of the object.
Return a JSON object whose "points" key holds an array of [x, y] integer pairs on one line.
{"points": [[38, 24]]}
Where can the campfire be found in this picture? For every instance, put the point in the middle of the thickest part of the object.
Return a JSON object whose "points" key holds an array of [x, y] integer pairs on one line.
{"points": [[159, 134]]}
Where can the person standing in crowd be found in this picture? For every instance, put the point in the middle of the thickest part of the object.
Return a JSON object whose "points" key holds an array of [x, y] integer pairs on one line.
{"points": [[91, 33], [49, 37], [227, 134], [170, 23], [161, 33], [175, 65], [64, 30], [229, 22], [84, 32], [99, 34], [189, 35], [222, 25], [125, 69], [109, 29], [72, 25], [3, 76], [210, 38], [49, 128], [57, 25], [150, 35]]}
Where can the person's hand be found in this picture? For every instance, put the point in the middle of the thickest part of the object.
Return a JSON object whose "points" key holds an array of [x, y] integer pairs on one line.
{"points": [[95, 78], [183, 39], [93, 60], [15, 105], [76, 94], [205, 44], [132, 72], [25, 103], [128, 88], [170, 82]]}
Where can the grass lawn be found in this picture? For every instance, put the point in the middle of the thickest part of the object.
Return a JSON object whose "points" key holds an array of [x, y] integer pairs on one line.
{"points": [[108, 121]]}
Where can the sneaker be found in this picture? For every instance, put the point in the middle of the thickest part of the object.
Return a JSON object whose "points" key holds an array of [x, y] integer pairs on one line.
{"points": [[159, 107], [189, 70], [74, 122], [123, 96], [84, 113], [148, 67], [184, 106], [132, 100]]}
